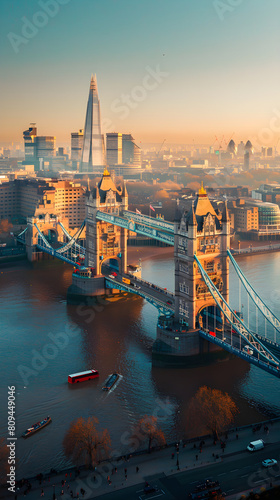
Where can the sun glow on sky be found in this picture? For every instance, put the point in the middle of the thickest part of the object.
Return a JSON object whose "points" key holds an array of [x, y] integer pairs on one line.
{"points": [[175, 69]]}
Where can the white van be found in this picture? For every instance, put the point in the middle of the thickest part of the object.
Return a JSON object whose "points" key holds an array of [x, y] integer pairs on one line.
{"points": [[255, 445]]}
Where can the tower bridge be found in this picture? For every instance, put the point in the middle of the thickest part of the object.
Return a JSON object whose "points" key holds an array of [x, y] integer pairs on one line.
{"points": [[196, 324]]}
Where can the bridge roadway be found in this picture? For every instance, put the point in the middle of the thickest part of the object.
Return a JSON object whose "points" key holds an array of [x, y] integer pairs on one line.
{"points": [[159, 297]]}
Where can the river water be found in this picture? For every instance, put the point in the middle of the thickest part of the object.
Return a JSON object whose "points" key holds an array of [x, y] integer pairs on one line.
{"points": [[43, 339]]}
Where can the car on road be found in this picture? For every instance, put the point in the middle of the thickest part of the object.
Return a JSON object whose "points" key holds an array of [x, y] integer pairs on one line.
{"points": [[169, 302], [115, 274], [248, 349], [150, 489], [112, 276], [255, 445], [269, 462], [137, 287]]}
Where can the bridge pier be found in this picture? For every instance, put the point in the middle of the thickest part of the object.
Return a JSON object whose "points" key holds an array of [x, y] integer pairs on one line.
{"points": [[178, 346], [82, 289]]}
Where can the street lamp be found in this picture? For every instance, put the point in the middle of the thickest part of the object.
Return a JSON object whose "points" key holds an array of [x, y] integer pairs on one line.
{"points": [[177, 463], [54, 498]]}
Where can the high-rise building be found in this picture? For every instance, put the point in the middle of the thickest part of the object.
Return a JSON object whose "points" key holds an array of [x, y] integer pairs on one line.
{"points": [[114, 148], [77, 139], [122, 150], [93, 144], [231, 148], [29, 137], [45, 146], [37, 146], [240, 148], [131, 153]]}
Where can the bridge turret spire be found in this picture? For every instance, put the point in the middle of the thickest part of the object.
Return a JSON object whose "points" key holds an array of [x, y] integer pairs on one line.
{"points": [[192, 221]]}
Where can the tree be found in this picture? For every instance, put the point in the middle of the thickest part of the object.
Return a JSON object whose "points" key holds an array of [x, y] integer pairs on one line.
{"points": [[84, 444], [212, 409], [4, 452], [148, 425]]}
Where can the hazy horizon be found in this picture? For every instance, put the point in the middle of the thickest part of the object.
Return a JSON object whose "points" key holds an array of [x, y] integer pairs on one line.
{"points": [[181, 71]]}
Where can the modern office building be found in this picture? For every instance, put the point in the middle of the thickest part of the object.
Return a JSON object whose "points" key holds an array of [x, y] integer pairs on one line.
{"points": [[93, 143], [231, 148], [77, 139], [29, 137], [131, 153], [36, 147], [114, 148], [122, 150]]}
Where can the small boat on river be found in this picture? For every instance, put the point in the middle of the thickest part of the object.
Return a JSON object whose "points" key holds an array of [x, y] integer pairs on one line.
{"points": [[110, 382], [36, 427]]}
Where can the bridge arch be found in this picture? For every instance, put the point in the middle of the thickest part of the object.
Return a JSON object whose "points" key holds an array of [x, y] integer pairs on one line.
{"points": [[113, 262]]}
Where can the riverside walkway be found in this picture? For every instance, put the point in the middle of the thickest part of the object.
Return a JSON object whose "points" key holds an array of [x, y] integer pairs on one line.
{"points": [[236, 469]]}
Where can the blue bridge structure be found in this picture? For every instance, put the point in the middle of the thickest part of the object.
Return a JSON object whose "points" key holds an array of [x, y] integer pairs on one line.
{"points": [[199, 308]]}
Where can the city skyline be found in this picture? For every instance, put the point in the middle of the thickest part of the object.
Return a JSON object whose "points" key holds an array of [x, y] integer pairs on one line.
{"points": [[177, 71]]}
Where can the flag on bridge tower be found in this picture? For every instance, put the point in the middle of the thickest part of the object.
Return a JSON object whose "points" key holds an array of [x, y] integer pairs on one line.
{"points": [[152, 208], [137, 211]]}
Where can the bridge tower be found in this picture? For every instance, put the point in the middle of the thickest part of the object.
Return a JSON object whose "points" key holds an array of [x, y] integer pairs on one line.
{"points": [[202, 233], [104, 241], [205, 233]]}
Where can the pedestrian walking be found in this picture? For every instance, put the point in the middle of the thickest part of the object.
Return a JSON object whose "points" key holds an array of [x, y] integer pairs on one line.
{"points": [[116, 470], [172, 455], [236, 436], [125, 471], [196, 457], [42, 493], [125, 476], [137, 469]]}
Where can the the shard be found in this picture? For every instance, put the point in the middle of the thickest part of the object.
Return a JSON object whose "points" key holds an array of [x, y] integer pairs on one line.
{"points": [[93, 145]]}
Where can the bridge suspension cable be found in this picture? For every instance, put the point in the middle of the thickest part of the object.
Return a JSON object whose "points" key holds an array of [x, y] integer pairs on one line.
{"points": [[79, 247], [267, 313], [43, 237], [72, 241], [234, 320]]}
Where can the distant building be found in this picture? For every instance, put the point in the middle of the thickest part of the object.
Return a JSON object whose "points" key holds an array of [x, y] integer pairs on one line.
{"points": [[240, 148], [93, 154], [77, 139], [45, 146], [231, 148], [246, 160], [20, 199], [122, 149], [36, 147], [114, 149], [29, 137], [246, 218]]}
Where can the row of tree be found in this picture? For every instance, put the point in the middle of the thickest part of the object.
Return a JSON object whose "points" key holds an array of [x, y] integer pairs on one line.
{"points": [[85, 444], [209, 409]]}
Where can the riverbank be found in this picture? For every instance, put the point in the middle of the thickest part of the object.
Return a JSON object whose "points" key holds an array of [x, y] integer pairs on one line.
{"points": [[137, 469]]}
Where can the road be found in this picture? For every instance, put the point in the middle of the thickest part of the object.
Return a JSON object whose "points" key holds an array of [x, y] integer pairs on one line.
{"points": [[239, 472]]}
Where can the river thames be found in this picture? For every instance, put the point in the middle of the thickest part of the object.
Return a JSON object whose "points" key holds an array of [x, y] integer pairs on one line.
{"points": [[43, 340]]}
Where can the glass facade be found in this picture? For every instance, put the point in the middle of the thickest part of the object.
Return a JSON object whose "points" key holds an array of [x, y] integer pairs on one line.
{"points": [[93, 149], [269, 216]]}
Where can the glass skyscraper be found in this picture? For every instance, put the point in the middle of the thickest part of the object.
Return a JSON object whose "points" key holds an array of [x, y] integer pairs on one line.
{"points": [[93, 144]]}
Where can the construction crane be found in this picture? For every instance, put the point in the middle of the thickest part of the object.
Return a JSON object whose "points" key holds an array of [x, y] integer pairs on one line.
{"points": [[160, 147]]}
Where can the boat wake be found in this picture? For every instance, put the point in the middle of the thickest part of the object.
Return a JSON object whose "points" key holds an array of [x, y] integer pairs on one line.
{"points": [[120, 377]]}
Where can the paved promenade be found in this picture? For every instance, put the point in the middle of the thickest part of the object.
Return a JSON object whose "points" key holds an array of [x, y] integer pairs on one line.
{"points": [[112, 476]]}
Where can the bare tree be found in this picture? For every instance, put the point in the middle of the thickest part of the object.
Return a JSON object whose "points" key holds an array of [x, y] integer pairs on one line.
{"points": [[84, 444], [212, 409], [148, 426]]}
